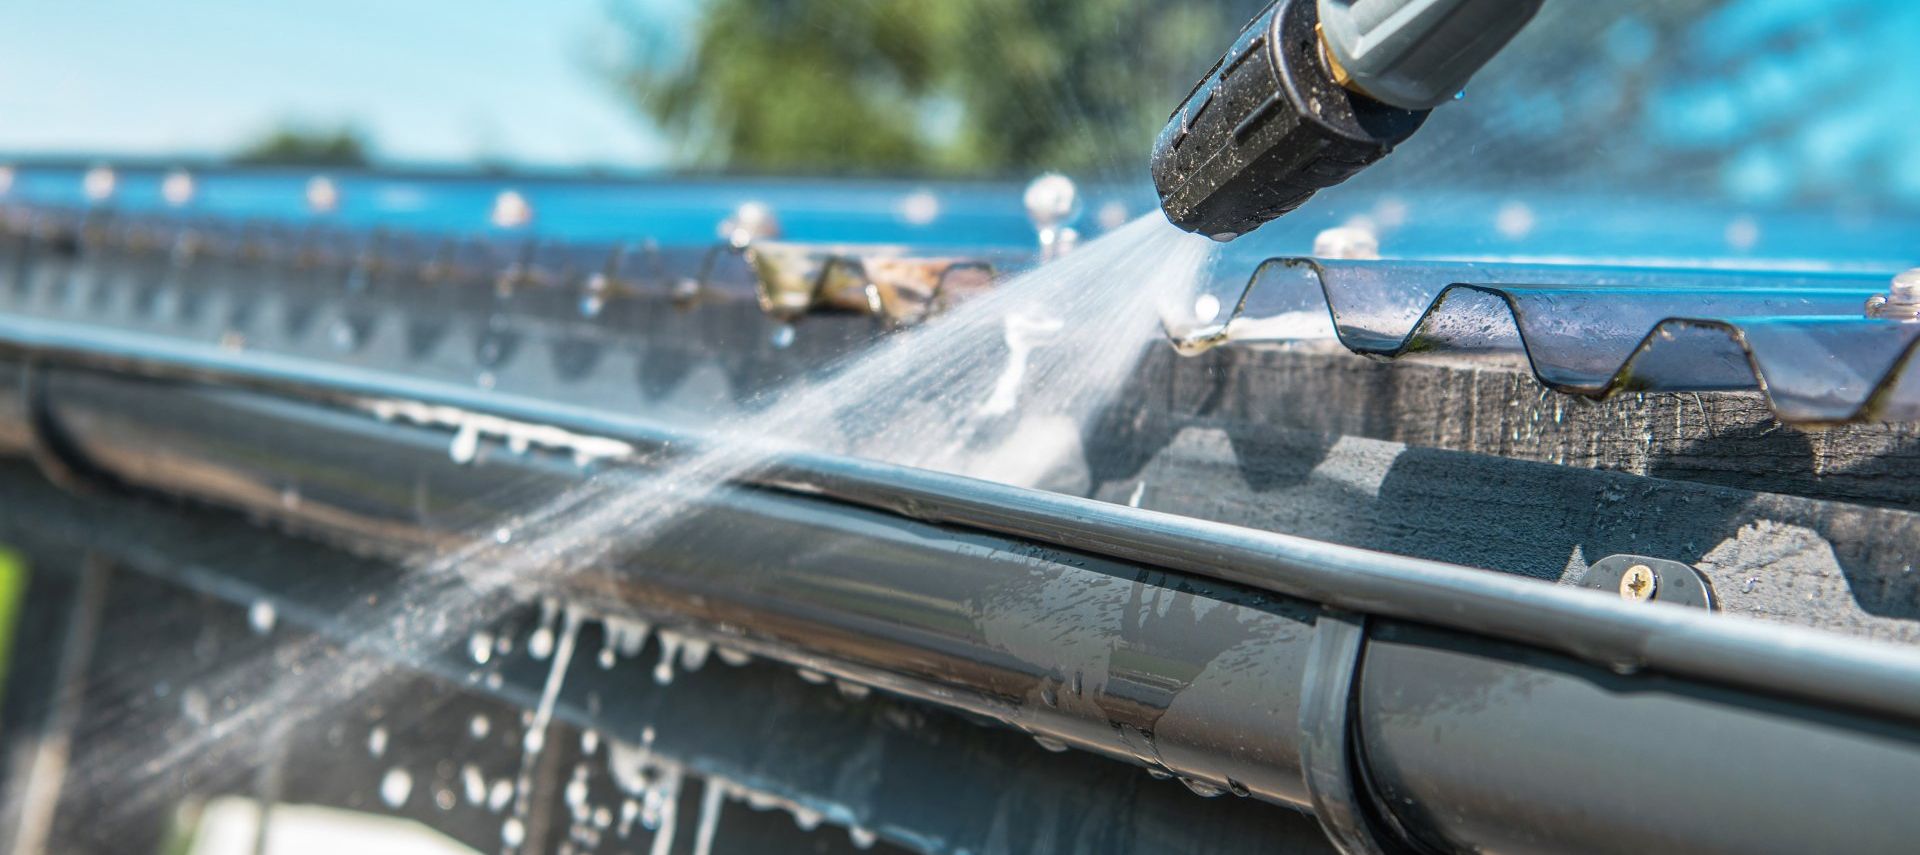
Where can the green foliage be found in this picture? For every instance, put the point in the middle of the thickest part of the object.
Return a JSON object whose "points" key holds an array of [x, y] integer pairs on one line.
{"points": [[952, 87], [13, 588], [293, 145]]}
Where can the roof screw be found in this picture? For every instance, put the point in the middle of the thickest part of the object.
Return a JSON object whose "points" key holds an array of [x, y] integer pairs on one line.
{"points": [[1638, 584], [1902, 300], [752, 221], [1052, 203], [323, 196], [511, 210], [1355, 240], [98, 183], [177, 188]]}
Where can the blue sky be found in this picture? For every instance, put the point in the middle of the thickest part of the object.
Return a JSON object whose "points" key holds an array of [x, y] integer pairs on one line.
{"points": [[429, 80]]}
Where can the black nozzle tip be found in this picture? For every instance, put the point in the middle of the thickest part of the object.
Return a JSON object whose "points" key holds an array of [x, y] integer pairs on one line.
{"points": [[1266, 129]]}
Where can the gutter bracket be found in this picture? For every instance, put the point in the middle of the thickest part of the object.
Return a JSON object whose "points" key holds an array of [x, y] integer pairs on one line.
{"points": [[1330, 758], [1644, 579]]}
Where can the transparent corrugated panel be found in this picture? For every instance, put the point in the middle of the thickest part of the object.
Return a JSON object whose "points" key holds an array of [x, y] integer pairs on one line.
{"points": [[1800, 336]]}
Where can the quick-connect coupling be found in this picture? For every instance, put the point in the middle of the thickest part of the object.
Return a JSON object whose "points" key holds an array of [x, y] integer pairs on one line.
{"points": [[1417, 54]]}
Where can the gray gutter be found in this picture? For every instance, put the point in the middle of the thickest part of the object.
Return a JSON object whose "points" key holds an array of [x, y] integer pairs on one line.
{"points": [[1478, 710]]}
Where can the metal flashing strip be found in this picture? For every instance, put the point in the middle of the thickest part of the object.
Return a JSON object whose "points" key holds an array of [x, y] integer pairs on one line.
{"points": [[1804, 338], [896, 284]]}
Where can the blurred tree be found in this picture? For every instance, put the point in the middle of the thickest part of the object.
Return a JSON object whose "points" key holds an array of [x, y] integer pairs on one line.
{"points": [[295, 145], [973, 87], [1759, 100], [789, 85]]}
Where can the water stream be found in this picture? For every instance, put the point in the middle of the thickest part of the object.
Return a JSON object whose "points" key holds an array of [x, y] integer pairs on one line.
{"points": [[999, 388]]}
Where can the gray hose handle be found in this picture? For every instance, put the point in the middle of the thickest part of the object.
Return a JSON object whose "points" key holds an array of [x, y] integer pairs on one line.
{"points": [[1415, 54]]}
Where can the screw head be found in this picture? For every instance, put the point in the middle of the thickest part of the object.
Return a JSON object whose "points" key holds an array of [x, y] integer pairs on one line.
{"points": [[1354, 240], [323, 196], [751, 222], [1638, 583], [1906, 287], [99, 183]]}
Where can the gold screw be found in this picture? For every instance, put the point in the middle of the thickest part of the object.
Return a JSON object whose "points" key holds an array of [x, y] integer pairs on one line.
{"points": [[1638, 583]]}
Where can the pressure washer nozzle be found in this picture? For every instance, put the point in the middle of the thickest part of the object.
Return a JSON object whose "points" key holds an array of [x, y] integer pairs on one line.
{"points": [[1267, 128]]}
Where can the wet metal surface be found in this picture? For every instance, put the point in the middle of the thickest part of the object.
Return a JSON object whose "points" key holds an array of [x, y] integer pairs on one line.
{"points": [[756, 727], [1864, 675]]}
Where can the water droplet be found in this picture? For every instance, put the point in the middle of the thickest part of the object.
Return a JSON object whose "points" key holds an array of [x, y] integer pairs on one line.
{"points": [[1158, 773], [862, 838], [576, 796], [669, 648], [918, 208], [176, 188], [1049, 697], [480, 648], [395, 786], [513, 832], [1205, 308], [323, 196], [98, 183], [812, 676], [1743, 234], [629, 811], [377, 741], [479, 726], [1050, 743], [195, 706], [589, 741], [474, 784], [261, 617], [854, 691], [499, 795], [466, 444], [502, 535], [736, 658], [511, 210], [540, 643], [1202, 788], [1238, 789], [694, 653], [1515, 220], [783, 336]]}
